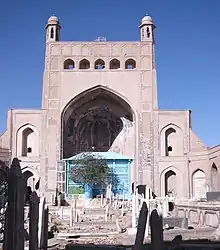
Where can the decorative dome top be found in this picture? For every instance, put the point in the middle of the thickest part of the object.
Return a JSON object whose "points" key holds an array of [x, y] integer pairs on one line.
{"points": [[53, 20], [147, 20]]}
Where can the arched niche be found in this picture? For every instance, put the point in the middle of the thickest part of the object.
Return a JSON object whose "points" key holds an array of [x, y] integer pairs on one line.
{"points": [[199, 184], [170, 183], [114, 64], [30, 180], [99, 64], [171, 141], [84, 64], [69, 64], [130, 64], [27, 141], [169, 179], [214, 178], [92, 121]]}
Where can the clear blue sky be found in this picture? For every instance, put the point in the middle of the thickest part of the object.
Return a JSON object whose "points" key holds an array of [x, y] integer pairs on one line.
{"points": [[187, 50]]}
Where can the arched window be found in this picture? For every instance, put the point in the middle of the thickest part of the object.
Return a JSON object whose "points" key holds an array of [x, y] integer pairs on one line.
{"points": [[148, 32], [27, 141], [84, 64], [214, 178], [52, 33], [142, 32], [130, 64], [170, 183], [169, 135], [114, 64], [69, 64], [99, 64]]}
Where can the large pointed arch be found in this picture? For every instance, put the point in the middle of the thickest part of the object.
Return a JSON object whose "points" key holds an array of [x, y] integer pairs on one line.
{"points": [[101, 108]]}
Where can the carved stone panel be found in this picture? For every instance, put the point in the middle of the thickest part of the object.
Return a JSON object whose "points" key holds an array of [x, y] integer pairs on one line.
{"points": [[53, 92], [76, 49], [52, 121], [66, 49], [146, 121], [100, 50], [146, 62], [146, 106], [85, 50], [146, 78], [54, 79], [115, 50], [53, 104], [145, 50], [52, 115], [55, 50], [146, 94], [131, 49], [54, 63]]}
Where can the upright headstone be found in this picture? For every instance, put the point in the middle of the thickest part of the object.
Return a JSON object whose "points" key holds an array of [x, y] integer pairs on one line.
{"points": [[139, 241], [156, 226], [71, 216], [14, 225], [106, 212], [134, 221], [33, 222], [45, 231], [41, 221], [147, 198]]}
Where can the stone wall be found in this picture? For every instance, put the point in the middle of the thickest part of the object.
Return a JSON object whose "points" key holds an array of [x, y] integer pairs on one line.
{"points": [[5, 155], [200, 214]]}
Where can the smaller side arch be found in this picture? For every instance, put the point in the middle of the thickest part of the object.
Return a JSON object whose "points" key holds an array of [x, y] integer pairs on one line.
{"points": [[169, 179], [31, 180], [171, 141], [199, 186], [27, 141], [214, 185]]}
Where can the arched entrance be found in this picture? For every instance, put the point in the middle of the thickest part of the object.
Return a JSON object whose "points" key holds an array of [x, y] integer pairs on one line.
{"points": [[93, 120], [170, 183], [214, 178], [199, 184]]}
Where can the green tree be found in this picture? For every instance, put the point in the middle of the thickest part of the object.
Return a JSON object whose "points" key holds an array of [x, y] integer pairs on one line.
{"points": [[91, 168]]}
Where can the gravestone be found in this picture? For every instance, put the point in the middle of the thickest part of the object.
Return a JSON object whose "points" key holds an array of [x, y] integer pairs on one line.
{"points": [[141, 227], [33, 222], [156, 226], [14, 225], [41, 222], [176, 222]]}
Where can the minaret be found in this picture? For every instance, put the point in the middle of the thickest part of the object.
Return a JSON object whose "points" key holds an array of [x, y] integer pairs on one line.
{"points": [[147, 29], [53, 29], [147, 36]]}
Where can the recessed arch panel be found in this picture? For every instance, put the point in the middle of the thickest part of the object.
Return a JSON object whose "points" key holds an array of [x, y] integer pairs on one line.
{"points": [[27, 141], [93, 120]]}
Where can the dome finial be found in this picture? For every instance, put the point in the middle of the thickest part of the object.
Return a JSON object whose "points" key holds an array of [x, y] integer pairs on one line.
{"points": [[53, 19], [147, 19]]}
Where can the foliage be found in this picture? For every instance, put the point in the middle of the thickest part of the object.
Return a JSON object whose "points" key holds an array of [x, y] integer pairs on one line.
{"points": [[93, 169], [76, 190]]}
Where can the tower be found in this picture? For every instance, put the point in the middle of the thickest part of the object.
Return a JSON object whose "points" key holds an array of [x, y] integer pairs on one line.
{"points": [[147, 29], [53, 29]]}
